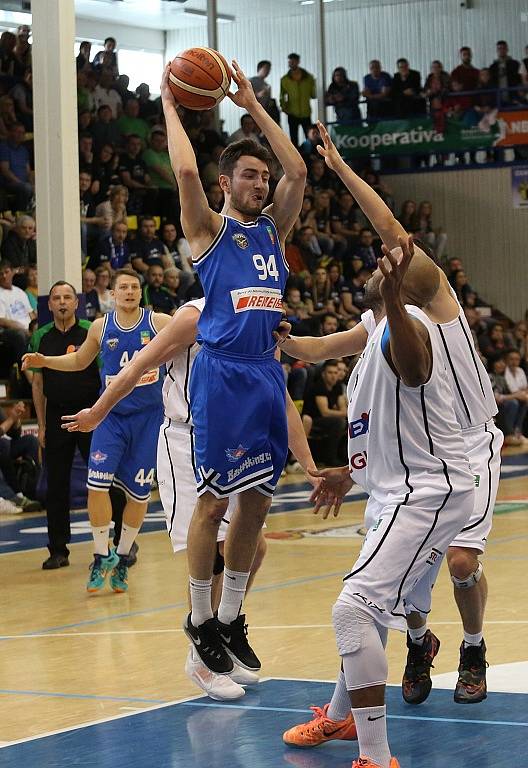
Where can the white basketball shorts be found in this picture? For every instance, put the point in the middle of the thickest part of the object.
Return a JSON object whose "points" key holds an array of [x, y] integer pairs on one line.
{"points": [[177, 482]]}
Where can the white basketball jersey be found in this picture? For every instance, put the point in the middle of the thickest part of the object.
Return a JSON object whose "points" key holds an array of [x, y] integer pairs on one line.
{"points": [[474, 399], [176, 400], [404, 442]]}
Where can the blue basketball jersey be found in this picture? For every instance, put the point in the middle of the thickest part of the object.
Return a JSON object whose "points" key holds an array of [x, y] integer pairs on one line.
{"points": [[243, 274], [118, 347]]}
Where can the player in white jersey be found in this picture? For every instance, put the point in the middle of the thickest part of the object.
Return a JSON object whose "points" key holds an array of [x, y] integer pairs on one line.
{"points": [[175, 473], [475, 408], [406, 450]]}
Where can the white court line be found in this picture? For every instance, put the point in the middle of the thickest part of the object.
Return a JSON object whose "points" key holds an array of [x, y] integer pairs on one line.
{"points": [[77, 727], [51, 635]]}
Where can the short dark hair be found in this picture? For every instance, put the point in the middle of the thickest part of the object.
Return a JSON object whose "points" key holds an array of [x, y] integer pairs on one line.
{"points": [[294, 56], [331, 362], [263, 63], [126, 273], [328, 314], [5, 264], [502, 42], [58, 283], [110, 40], [401, 61], [233, 152], [365, 229], [146, 217], [465, 48], [133, 136]]}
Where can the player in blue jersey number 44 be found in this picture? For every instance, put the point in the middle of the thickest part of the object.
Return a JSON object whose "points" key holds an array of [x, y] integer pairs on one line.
{"points": [[237, 386], [123, 449]]}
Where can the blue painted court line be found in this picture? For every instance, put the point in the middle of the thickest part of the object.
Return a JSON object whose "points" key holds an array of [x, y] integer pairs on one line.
{"points": [[51, 694], [205, 734], [201, 703]]}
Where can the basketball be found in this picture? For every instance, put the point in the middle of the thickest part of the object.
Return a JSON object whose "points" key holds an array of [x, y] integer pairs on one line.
{"points": [[199, 78]]}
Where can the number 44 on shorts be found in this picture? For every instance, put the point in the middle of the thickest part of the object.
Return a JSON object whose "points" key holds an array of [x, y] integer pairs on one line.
{"points": [[142, 479]]}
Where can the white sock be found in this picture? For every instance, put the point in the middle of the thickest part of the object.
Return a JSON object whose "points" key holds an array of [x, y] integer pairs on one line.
{"points": [[127, 538], [417, 635], [339, 707], [472, 639], [100, 535], [233, 591], [371, 725], [200, 600]]}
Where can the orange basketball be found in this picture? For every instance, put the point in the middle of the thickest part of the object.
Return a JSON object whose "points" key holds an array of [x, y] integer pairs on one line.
{"points": [[199, 78]]}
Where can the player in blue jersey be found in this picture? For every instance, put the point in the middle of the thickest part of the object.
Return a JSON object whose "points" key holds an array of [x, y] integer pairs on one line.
{"points": [[123, 449], [237, 386]]}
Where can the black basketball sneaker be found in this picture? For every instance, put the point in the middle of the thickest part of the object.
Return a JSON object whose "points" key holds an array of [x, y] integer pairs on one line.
{"points": [[416, 683], [471, 684]]}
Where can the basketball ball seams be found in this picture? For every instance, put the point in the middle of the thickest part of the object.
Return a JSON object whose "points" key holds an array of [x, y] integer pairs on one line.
{"points": [[199, 78], [203, 71]]}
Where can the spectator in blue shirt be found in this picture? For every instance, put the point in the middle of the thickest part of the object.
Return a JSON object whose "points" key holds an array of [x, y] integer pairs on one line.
{"points": [[16, 175], [377, 90], [147, 249], [112, 250], [155, 296]]}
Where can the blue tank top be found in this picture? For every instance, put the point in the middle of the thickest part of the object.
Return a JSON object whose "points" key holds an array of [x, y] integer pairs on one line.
{"points": [[118, 347], [243, 274]]}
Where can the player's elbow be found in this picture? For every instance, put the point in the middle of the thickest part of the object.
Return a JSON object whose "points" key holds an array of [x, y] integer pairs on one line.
{"points": [[298, 172], [417, 374], [186, 173]]}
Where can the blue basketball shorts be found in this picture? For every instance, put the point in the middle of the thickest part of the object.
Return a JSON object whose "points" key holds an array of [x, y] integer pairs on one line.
{"points": [[240, 433], [123, 452]]}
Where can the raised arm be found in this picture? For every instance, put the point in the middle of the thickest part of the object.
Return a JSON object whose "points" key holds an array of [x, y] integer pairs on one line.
{"points": [[374, 208], [313, 349], [73, 361], [409, 351], [200, 224], [289, 193], [177, 334]]}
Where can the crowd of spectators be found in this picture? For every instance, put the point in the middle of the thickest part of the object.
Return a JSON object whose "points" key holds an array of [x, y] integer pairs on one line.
{"points": [[441, 93], [129, 214]]}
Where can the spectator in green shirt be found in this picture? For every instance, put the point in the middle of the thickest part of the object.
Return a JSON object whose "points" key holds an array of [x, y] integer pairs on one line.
{"points": [[157, 162], [130, 122], [297, 87]]}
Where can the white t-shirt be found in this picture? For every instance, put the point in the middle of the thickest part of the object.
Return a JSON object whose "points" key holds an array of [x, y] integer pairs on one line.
{"points": [[14, 305], [515, 380], [110, 98]]}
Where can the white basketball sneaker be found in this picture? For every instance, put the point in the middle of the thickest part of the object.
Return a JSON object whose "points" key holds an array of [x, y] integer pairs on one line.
{"points": [[218, 687], [243, 676]]}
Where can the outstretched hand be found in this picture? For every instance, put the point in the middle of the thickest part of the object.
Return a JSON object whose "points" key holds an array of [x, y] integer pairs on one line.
{"points": [[83, 421], [335, 484], [394, 268], [245, 95], [328, 151]]}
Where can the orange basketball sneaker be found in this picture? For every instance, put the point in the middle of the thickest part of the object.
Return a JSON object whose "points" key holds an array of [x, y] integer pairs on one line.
{"points": [[320, 729], [366, 762]]}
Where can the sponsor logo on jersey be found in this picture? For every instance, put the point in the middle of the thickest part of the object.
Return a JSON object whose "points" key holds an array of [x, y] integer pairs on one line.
{"points": [[251, 461], [96, 474], [98, 457], [358, 460], [150, 377], [241, 240], [359, 426], [433, 557], [368, 602], [144, 337], [268, 299], [477, 480], [234, 454], [271, 233], [112, 344]]}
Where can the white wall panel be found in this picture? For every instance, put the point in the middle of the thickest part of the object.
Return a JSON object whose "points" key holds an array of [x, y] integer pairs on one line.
{"points": [[490, 236], [421, 31]]}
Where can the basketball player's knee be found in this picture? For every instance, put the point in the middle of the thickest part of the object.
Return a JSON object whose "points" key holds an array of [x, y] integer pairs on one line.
{"points": [[464, 567], [212, 509], [360, 642]]}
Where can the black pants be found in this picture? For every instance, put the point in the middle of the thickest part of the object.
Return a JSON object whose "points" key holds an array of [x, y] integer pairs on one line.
{"points": [[60, 451], [294, 123]]}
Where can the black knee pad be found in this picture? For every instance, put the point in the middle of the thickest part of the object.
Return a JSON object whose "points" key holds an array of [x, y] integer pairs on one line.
{"points": [[219, 562]]}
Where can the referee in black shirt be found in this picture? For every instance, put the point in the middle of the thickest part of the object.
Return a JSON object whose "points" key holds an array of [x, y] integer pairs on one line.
{"points": [[55, 394]]}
